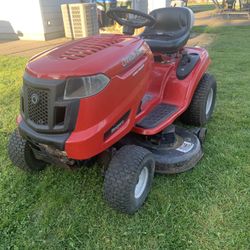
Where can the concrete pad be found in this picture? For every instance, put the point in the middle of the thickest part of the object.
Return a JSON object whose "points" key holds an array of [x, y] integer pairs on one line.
{"points": [[28, 48], [206, 18], [214, 19], [31, 48]]}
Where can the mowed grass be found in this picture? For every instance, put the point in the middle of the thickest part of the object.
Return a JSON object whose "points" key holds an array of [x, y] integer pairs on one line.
{"points": [[201, 7], [207, 208]]}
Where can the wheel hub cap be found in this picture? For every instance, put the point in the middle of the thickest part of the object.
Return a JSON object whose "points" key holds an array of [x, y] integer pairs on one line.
{"points": [[142, 183], [209, 101]]}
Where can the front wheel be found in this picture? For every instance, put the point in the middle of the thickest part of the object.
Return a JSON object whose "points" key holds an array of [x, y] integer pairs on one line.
{"points": [[202, 105], [21, 154], [129, 178]]}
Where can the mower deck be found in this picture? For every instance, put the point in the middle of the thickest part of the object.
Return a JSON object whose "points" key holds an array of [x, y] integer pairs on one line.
{"points": [[176, 150]]}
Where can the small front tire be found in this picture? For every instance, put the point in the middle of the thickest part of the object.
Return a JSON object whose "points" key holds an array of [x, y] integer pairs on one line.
{"points": [[21, 154], [129, 178]]}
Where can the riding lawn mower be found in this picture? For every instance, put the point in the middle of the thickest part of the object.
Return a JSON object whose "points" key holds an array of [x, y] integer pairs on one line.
{"points": [[116, 98]]}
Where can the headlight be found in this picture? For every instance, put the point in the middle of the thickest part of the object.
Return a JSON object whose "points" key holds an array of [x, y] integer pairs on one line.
{"points": [[81, 87]]}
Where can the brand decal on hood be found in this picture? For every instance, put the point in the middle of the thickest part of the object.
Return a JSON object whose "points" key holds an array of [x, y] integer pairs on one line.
{"points": [[133, 56]]}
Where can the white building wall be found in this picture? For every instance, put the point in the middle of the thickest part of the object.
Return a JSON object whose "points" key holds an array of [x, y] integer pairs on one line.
{"points": [[52, 17], [31, 19], [21, 19], [152, 4], [149, 5], [141, 5]]}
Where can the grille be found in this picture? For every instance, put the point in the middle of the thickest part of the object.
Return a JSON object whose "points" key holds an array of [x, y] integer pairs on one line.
{"points": [[38, 112], [80, 19], [77, 22]]}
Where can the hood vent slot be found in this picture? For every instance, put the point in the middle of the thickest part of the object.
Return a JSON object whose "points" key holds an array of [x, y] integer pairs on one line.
{"points": [[89, 46]]}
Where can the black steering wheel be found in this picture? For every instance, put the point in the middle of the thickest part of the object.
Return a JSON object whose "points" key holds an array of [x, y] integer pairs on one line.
{"points": [[130, 19]]}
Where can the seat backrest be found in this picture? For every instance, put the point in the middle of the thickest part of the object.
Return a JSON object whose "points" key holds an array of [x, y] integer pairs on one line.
{"points": [[173, 21]]}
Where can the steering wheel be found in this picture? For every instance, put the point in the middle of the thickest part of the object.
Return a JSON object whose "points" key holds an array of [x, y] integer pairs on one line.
{"points": [[131, 18]]}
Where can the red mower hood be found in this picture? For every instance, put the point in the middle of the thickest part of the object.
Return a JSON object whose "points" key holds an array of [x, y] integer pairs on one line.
{"points": [[87, 56]]}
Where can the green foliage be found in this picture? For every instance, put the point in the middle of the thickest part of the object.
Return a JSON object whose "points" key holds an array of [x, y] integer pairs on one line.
{"points": [[207, 208]]}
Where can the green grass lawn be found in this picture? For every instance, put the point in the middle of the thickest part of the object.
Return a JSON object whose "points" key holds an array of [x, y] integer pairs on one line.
{"points": [[201, 7], [207, 208]]}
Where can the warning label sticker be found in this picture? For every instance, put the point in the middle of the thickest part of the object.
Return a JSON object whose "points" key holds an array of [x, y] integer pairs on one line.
{"points": [[185, 147]]}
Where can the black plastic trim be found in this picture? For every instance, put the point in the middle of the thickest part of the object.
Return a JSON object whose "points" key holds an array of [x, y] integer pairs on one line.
{"points": [[158, 114], [55, 89], [186, 65], [56, 140], [117, 125]]}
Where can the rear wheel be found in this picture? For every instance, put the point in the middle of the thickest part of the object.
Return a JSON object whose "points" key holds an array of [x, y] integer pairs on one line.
{"points": [[129, 178], [21, 154], [202, 105]]}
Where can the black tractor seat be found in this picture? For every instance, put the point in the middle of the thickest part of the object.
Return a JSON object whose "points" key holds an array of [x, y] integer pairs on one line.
{"points": [[171, 31]]}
